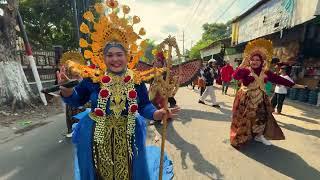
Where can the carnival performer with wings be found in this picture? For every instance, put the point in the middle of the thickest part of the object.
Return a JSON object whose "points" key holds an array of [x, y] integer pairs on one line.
{"points": [[110, 140], [181, 74], [252, 111]]}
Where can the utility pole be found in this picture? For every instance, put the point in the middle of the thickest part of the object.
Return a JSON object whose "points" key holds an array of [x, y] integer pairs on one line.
{"points": [[183, 43], [191, 44], [31, 58], [74, 4]]}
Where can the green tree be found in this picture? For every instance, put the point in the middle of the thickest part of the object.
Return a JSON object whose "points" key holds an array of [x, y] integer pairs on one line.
{"points": [[148, 56], [195, 50], [14, 87], [214, 31], [51, 22], [211, 32]]}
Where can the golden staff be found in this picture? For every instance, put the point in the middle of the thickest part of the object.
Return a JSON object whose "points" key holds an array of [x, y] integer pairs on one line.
{"points": [[165, 118]]}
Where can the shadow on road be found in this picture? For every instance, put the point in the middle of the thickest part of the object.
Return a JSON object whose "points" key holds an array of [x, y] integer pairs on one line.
{"points": [[302, 119], [200, 164], [281, 160], [186, 115], [307, 110], [224, 104], [292, 127]]}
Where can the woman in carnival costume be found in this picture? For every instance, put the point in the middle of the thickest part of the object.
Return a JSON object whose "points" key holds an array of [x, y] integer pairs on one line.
{"points": [[110, 140], [252, 111]]}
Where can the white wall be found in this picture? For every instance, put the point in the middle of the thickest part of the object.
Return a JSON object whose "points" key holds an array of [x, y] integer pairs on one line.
{"points": [[210, 51], [318, 9], [305, 11], [262, 21]]}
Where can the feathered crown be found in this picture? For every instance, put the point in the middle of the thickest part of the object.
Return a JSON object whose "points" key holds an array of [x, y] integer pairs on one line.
{"points": [[260, 46], [105, 28]]}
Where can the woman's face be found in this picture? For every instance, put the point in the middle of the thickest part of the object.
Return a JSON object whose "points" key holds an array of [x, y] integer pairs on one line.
{"points": [[255, 62], [116, 59]]}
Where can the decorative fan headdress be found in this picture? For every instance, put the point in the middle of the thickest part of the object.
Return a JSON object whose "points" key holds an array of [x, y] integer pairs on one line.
{"points": [[261, 46], [106, 28]]}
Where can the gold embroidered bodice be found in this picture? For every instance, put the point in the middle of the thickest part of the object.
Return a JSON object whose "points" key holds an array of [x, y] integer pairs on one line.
{"points": [[113, 140], [256, 89]]}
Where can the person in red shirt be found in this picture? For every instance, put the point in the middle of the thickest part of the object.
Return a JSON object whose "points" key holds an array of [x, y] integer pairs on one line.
{"points": [[226, 76]]}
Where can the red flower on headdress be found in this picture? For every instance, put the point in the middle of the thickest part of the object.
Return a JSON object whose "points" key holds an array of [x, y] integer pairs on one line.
{"points": [[92, 66], [106, 79], [127, 79], [104, 93], [133, 94], [98, 112], [133, 108]]}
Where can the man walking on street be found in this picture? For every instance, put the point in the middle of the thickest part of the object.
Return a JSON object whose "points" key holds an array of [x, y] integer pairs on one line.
{"points": [[226, 77], [201, 82], [210, 73]]}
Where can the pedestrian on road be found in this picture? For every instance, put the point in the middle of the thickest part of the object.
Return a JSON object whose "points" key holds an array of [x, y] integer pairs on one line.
{"points": [[201, 82], [226, 76], [252, 110], [210, 73], [280, 91]]}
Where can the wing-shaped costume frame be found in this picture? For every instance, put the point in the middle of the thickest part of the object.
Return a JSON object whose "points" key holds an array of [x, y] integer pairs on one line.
{"points": [[186, 71]]}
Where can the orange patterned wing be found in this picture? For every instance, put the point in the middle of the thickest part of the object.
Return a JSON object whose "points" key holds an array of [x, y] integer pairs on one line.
{"points": [[142, 66], [188, 72]]}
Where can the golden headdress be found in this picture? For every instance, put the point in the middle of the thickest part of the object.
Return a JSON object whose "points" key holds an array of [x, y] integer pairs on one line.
{"points": [[261, 46], [105, 28], [72, 56]]}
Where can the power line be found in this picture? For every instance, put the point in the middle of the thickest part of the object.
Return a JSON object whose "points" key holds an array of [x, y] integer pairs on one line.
{"points": [[210, 15], [197, 15], [226, 10], [248, 7], [203, 8], [223, 13], [194, 14], [189, 12]]}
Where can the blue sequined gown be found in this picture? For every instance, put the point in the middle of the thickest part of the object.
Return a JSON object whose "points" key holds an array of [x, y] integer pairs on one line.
{"points": [[145, 162]]}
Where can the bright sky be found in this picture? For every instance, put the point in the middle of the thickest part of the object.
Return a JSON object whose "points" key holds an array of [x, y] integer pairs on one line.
{"points": [[163, 17]]}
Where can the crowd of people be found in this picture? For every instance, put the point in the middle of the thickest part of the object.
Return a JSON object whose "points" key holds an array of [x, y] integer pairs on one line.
{"points": [[110, 138], [253, 104]]}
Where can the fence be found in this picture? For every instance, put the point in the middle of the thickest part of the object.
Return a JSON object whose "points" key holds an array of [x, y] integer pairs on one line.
{"points": [[46, 64]]}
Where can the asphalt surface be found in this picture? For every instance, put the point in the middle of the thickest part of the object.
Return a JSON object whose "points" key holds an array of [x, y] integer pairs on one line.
{"points": [[42, 153], [197, 142]]}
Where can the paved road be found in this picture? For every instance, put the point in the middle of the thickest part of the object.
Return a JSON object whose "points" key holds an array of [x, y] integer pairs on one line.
{"points": [[40, 154], [198, 144]]}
